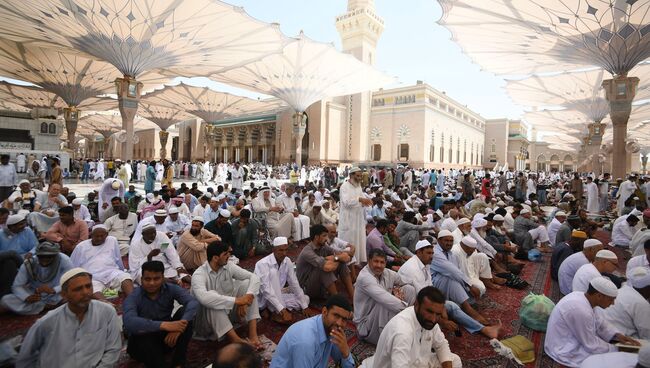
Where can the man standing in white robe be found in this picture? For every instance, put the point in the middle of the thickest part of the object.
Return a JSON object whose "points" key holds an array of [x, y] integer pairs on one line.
{"points": [[352, 219], [631, 313], [575, 331], [413, 338], [275, 271], [593, 200], [21, 162], [626, 190], [237, 177], [99, 171], [110, 188]]}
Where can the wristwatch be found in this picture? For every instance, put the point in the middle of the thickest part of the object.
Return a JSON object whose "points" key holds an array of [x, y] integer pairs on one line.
{"points": [[336, 258]]}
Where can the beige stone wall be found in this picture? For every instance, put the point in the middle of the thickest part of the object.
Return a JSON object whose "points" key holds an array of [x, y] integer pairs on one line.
{"points": [[148, 147]]}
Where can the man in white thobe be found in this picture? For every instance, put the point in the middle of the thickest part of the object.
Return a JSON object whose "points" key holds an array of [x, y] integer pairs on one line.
{"points": [[288, 203], [100, 255], [554, 226], [275, 271], [352, 219], [606, 261], [625, 191], [81, 212], [572, 264], [379, 295], [110, 188], [640, 237], [155, 246], [279, 222], [413, 338], [631, 313], [593, 198], [237, 177], [575, 331], [176, 224], [226, 292], [623, 231], [122, 226], [21, 162], [473, 264]]}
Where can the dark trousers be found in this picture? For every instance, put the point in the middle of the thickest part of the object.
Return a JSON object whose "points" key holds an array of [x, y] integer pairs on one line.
{"points": [[5, 192], [10, 262], [150, 348]]}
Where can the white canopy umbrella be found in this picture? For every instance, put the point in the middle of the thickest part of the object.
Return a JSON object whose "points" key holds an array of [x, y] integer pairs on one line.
{"points": [[181, 38], [521, 37], [305, 72], [164, 117]]}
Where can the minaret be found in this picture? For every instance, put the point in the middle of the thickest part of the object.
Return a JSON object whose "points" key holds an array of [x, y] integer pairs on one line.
{"points": [[360, 29]]}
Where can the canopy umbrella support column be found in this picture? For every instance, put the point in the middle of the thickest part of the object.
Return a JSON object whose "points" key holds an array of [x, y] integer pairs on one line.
{"points": [[129, 91], [71, 117], [163, 135], [299, 128], [620, 92]]}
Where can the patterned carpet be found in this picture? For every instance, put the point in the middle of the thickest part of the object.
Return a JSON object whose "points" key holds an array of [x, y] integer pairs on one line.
{"points": [[474, 350]]}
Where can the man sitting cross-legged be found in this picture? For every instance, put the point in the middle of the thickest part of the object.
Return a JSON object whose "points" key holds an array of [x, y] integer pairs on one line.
{"points": [[100, 255], [380, 295], [149, 322], [275, 271], [226, 292], [318, 267], [417, 273]]}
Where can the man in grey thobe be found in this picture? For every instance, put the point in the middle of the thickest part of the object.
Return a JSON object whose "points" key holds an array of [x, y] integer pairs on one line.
{"points": [[225, 291], [379, 295]]}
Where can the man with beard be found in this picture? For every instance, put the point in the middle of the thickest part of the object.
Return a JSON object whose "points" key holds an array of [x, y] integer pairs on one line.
{"points": [[36, 287], [475, 265], [221, 227], [155, 245], [288, 203], [81, 333], [193, 244], [352, 218], [100, 255], [414, 339], [380, 295], [275, 271], [313, 341]]}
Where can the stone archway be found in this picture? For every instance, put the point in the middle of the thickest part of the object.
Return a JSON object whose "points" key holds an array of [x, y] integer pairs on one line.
{"points": [[555, 163]]}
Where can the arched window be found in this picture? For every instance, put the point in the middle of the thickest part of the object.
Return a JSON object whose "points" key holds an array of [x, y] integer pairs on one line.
{"points": [[376, 152], [52, 128], [432, 149], [44, 127], [451, 149], [404, 152], [442, 148]]}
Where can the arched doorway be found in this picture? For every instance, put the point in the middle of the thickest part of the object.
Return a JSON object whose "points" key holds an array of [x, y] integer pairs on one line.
{"points": [[568, 163], [541, 163], [555, 163], [187, 145]]}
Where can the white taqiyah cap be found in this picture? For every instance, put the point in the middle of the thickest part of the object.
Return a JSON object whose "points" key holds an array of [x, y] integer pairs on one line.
{"points": [[224, 213], [76, 201], [604, 286], [115, 184], [160, 213], [498, 218], [280, 240], [198, 218], [524, 211], [14, 219], [439, 213], [639, 277], [149, 196], [501, 204], [528, 203], [591, 243], [606, 254], [422, 244], [479, 222], [644, 356], [560, 214], [24, 181], [444, 233], [148, 226], [487, 210], [221, 197], [173, 210], [462, 221], [469, 241], [70, 274], [100, 227]]}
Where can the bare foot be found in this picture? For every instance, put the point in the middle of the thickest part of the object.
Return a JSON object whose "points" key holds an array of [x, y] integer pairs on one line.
{"points": [[492, 331], [498, 280], [492, 286]]}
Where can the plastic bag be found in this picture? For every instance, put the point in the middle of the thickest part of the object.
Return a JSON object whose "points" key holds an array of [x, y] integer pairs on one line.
{"points": [[535, 311], [534, 255]]}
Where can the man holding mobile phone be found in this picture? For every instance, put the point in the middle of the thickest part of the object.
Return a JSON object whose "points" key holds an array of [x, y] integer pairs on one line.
{"points": [[151, 246]]}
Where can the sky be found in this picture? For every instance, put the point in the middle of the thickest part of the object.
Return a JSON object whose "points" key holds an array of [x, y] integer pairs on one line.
{"points": [[413, 47]]}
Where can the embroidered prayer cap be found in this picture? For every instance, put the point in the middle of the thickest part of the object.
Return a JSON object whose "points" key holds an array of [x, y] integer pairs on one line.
{"points": [[160, 213], [462, 221], [578, 234], [173, 210]]}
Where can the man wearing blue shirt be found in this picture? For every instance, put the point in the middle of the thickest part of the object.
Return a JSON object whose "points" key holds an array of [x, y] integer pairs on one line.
{"points": [[16, 241], [311, 342], [149, 322]]}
